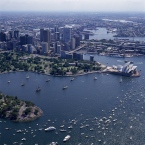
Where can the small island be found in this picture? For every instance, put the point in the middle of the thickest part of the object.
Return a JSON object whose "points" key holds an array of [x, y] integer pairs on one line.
{"points": [[18, 110]]}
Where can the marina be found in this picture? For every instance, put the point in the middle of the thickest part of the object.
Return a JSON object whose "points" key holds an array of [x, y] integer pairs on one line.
{"points": [[98, 115]]}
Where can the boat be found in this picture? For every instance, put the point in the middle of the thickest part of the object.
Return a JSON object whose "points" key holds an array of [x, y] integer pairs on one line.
{"points": [[48, 80], [53, 143], [72, 79], [70, 127], [51, 128], [95, 78], [120, 80], [65, 87], [22, 84], [38, 89], [8, 81], [62, 130], [23, 139], [66, 138], [27, 77]]}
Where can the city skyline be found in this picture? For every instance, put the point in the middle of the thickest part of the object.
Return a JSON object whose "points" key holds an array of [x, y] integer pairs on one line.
{"points": [[74, 5]]}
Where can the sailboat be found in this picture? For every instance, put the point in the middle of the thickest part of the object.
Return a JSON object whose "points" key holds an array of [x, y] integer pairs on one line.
{"points": [[120, 80], [38, 89]]}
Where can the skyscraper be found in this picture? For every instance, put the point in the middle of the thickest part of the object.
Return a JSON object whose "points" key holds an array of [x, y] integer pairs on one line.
{"points": [[66, 34], [41, 34]]}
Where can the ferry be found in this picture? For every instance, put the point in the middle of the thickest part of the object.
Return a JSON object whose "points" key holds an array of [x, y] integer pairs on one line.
{"points": [[51, 128], [66, 138]]}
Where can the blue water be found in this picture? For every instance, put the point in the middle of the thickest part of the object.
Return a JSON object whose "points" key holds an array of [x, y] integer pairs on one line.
{"points": [[84, 100], [101, 33]]}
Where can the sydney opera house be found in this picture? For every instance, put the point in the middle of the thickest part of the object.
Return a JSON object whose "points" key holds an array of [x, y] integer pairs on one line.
{"points": [[128, 69]]}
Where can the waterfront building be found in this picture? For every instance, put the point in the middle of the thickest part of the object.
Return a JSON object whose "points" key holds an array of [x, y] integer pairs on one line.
{"points": [[91, 58], [86, 36]]}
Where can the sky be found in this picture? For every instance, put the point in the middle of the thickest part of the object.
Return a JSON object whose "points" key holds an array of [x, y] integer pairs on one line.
{"points": [[73, 5]]}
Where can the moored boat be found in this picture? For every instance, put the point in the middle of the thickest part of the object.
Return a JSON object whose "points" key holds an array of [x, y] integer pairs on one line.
{"points": [[66, 138], [51, 128]]}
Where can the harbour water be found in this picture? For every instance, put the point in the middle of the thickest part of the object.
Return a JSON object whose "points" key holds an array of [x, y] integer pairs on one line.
{"points": [[101, 33], [108, 112]]}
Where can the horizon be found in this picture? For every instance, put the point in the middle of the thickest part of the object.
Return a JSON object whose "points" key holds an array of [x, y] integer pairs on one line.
{"points": [[73, 5]]}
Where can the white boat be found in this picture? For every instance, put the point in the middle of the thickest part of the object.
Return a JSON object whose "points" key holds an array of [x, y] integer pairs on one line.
{"points": [[95, 78], [51, 128], [23, 139], [66, 138], [8, 81], [62, 130], [120, 80], [72, 79], [65, 87], [27, 77]]}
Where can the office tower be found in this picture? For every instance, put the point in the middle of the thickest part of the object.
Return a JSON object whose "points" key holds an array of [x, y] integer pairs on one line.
{"points": [[41, 34], [46, 36], [16, 34], [44, 47], [57, 36], [56, 28], [22, 40], [29, 40], [86, 36], [66, 34], [77, 40], [73, 43], [3, 37], [11, 34]]}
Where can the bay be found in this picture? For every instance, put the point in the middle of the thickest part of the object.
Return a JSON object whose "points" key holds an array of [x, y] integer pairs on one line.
{"points": [[78, 106]]}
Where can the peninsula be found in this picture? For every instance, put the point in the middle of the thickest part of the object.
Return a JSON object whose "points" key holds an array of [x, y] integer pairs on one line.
{"points": [[18, 110]]}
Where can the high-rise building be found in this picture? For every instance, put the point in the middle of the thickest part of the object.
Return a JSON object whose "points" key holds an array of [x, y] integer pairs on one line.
{"points": [[16, 34], [66, 34], [56, 28], [23, 40], [41, 34], [73, 43], [46, 36], [77, 39], [86, 36], [29, 40], [44, 47]]}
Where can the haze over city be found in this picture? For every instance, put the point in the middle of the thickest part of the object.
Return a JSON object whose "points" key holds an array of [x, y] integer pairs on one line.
{"points": [[73, 5]]}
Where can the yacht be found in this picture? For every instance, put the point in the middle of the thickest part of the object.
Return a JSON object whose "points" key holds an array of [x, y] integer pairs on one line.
{"points": [[65, 87], [51, 128], [95, 78], [72, 79], [23, 139], [66, 138], [38, 89]]}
